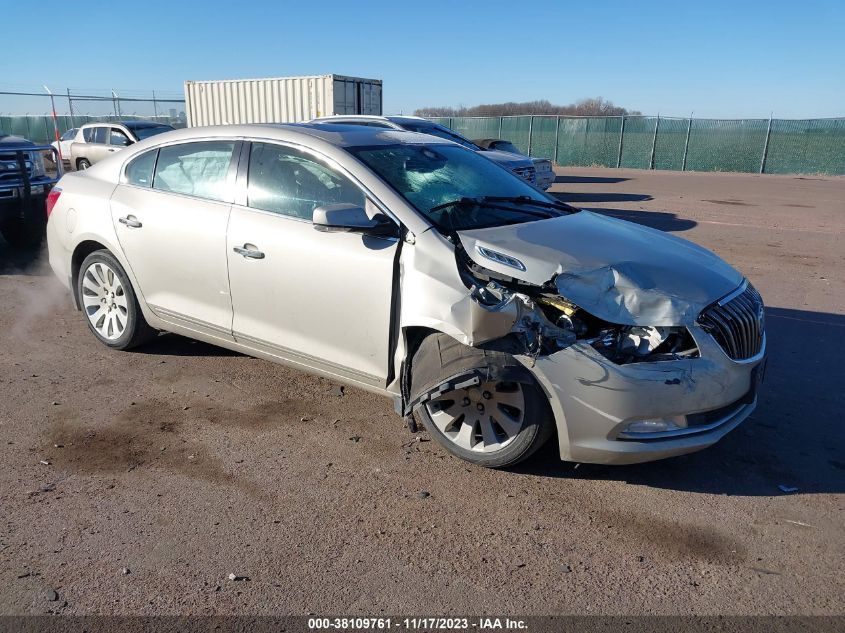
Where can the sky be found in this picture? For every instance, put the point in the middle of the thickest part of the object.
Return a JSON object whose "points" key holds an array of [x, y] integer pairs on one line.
{"points": [[738, 59]]}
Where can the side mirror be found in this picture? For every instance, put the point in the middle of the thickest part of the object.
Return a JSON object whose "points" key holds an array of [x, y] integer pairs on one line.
{"points": [[350, 218]]}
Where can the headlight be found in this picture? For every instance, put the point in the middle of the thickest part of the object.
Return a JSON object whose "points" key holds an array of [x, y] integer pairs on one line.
{"points": [[619, 343], [635, 343], [37, 160]]}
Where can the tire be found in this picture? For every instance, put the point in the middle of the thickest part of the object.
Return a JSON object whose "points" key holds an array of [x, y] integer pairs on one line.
{"points": [[82, 164], [26, 232], [496, 424], [109, 303]]}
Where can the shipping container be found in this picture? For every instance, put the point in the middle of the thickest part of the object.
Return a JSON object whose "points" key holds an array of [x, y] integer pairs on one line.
{"points": [[279, 100]]}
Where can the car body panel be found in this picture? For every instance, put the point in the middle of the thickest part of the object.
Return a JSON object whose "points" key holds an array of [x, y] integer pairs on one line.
{"points": [[627, 273], [279, 303], [350, 304], [186, 274]]}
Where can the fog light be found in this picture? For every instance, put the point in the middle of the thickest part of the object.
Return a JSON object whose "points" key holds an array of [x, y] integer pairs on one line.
{"points": [[640, 427]]}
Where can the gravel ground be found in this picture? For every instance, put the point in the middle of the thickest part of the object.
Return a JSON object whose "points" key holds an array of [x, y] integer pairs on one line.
{"points": [[135, 483]]}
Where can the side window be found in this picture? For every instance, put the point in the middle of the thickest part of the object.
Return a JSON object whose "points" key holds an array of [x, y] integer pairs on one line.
{"points": [[196, 169], [287, 181], [140, 170], [101, 135], [67, 136], [118, 137], [88, 134]]}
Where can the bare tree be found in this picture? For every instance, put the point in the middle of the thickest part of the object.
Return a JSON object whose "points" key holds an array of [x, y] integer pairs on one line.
{"points": [[596, 106]]}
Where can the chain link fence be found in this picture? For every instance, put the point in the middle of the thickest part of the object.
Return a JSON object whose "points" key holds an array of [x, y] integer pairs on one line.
{"points": [[85, 106], [771, 146]]}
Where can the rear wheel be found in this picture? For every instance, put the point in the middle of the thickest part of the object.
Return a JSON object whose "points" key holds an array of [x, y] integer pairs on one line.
{"points": [[82, 164], [499, 422], [109, 303]]}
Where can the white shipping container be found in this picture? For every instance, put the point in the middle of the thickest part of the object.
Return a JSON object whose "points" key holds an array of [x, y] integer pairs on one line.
{"points": [[279, 100]]}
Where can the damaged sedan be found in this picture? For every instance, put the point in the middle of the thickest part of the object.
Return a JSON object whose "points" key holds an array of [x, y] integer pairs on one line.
{"points": [[413, 267]]}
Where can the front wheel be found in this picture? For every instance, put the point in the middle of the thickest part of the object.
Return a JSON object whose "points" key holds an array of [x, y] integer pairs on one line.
{"points": [[109, 303], [497, 423]]}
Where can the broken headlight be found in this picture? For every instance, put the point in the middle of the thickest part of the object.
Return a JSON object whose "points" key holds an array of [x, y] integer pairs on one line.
{"points": [[619, 343], [636, 343]]}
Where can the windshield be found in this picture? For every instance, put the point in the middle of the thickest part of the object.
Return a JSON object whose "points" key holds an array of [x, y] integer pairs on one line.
{"points": [[147, 132], [440, 131], [457, 189]]}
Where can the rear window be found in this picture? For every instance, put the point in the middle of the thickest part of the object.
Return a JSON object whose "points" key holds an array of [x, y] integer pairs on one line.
{"points": [[146, 132], [101, 135], [139, 171], [88, 134], [195, 169]]}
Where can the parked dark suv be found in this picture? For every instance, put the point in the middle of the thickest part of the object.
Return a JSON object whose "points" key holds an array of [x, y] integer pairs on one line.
{"points": [[24, 188]]}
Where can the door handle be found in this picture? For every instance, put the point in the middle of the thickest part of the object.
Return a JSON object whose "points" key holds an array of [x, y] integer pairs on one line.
{"points": [[131, 221], [249, 251], [111, 149]]}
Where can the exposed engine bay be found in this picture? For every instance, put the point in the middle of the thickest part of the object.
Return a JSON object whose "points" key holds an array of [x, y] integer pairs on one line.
{"points": [[547, 322]]}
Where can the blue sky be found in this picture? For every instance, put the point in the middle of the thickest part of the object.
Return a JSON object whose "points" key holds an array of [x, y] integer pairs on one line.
{"points": [[718, 59]]}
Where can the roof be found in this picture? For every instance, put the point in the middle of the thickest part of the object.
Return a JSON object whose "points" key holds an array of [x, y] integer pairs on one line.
{"points": [[334, 134], [397, 119], [132, 124]]}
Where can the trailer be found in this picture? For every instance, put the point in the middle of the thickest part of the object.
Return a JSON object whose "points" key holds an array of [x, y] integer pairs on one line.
{"points": [[280, 99]]}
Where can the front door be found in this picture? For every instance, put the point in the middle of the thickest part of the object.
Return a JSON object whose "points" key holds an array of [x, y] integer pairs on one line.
{"points": [[319, 299], [172, 228]]}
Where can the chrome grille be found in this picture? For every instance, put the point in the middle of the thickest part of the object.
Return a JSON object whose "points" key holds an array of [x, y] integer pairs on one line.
{"points": [[528, 173], [737, 322]]}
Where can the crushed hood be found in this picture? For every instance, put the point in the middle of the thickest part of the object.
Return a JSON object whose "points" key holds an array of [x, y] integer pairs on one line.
{"points": [[618, 271]]}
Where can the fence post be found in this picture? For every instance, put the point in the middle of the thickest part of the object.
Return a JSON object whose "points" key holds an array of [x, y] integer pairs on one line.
{"points": [[621, 134], [155, 106], [70, 107], [530, 132], [557, 139], [686, 143], [654, 143], [766, 145], [500, 126]]}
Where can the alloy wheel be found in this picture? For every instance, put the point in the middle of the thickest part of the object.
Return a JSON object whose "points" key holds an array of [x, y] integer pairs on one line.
{"points": [[104, 300], [483, 418]]}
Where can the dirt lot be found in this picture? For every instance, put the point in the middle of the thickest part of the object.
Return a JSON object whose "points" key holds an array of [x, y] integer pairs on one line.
{"points": [[182, 463]]}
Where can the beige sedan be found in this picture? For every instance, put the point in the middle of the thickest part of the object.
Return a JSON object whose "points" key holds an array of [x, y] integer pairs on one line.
{"points": [[413, 267]]}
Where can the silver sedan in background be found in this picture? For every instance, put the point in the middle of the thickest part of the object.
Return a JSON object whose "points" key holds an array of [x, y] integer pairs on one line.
{"points": [[413, 267]]}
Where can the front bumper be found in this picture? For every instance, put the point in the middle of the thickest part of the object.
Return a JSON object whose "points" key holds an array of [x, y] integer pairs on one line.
{"points": [[594, 400]]}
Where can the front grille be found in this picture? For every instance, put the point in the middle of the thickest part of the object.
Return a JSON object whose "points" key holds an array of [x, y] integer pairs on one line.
{"points": [[737, 322], [528, 173], [10, 170]]}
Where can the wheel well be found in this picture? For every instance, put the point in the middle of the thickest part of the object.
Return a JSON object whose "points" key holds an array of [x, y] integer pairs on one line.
{"points": [[414, 336], [83, 250], [79, 160]]}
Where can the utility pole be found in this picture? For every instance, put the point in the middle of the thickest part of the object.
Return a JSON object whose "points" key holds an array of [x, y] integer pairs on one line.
{"points": [[55, 125]]}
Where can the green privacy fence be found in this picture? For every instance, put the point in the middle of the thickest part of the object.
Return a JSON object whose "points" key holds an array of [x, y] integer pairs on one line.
{"points": [[772, 146], [40, 128]]}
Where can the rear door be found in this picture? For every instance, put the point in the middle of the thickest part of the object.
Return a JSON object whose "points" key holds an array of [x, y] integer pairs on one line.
{"points": [[170, 213], [320, 299]]}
